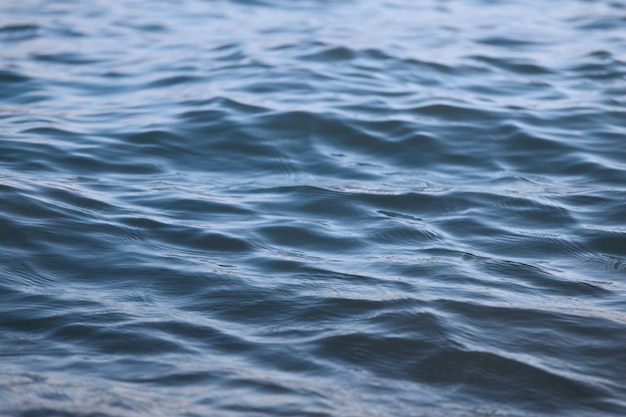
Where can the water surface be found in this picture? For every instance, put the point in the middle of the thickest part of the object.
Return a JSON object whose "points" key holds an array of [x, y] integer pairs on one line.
{"points": [[313, 208]]}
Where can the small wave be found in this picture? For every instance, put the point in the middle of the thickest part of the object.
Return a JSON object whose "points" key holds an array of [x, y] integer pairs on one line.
{"points": [[19, 32], [315, 208]]}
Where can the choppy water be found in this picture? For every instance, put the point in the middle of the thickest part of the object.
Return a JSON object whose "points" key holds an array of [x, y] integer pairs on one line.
{"points": [[312, 208]]}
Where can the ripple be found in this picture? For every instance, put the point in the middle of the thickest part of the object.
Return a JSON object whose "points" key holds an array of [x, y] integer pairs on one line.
{"points": [[324, 209]]}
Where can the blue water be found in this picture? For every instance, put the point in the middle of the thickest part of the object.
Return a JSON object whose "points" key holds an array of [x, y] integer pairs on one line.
{"points": [[312, 208]]}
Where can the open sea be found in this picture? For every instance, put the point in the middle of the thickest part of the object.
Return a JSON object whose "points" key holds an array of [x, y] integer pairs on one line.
{"points": [[312, 208]]}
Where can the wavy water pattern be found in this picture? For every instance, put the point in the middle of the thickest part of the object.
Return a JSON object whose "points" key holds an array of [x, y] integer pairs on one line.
{"points": [[312, 208]]}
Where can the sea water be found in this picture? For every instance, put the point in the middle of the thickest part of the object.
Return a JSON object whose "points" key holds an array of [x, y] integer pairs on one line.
{"points": [[312, 208]]}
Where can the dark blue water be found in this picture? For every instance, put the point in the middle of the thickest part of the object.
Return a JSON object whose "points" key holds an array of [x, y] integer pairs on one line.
{"points": [[312, 208]]}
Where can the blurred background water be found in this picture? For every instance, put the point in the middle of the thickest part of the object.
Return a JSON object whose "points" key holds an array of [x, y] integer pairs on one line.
{"points": [[312, 208]]}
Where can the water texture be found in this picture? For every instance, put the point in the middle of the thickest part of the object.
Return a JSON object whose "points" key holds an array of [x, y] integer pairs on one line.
{"points": [[312, 208]]}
